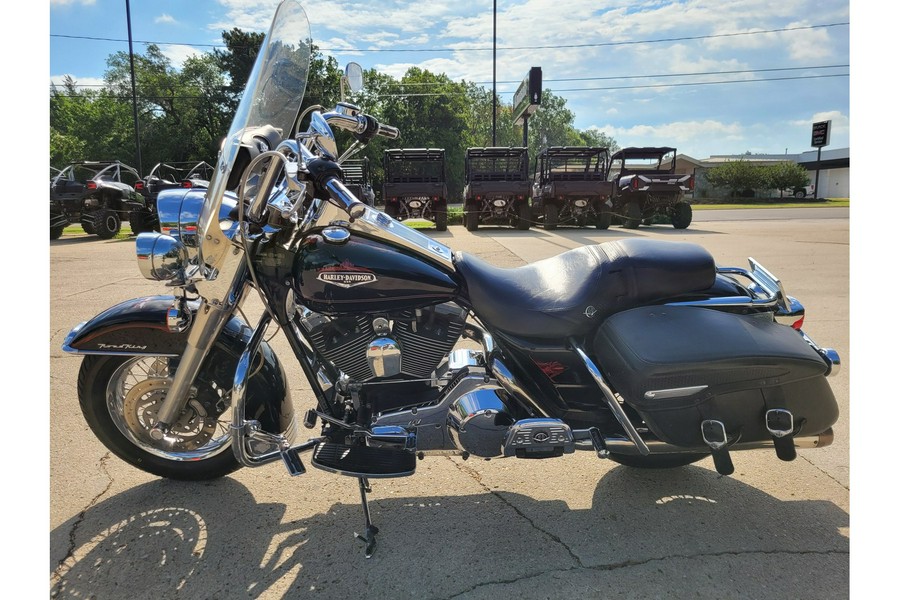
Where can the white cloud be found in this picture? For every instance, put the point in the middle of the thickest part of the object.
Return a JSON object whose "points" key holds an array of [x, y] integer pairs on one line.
{"points": [[67, 2], [165, 19], [178, 53], [88, 82], [677, 132]]}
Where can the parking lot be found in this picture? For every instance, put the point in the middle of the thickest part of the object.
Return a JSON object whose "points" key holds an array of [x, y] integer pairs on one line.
{"points": [[575, 526]]}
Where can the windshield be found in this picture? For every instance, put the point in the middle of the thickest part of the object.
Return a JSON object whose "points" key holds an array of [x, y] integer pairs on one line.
{"points": [[272, 97]]}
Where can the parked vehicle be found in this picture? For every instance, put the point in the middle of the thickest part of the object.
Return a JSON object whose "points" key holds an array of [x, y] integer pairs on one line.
{"points": [[166, 176], [97, 194], [641, 351], [803, 192], [498, 188], [570, 187], [415, 185], [645, 184], [358, 179]]}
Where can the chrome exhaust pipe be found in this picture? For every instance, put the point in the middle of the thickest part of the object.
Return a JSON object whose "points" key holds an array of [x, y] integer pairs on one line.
{"points": [[621, 445]]}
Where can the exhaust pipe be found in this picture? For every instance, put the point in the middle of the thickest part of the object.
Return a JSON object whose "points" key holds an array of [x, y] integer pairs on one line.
{"points": [[621, 445]]}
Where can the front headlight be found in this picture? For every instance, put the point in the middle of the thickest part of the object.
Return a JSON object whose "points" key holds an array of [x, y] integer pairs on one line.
{"points": [[161, 257]]}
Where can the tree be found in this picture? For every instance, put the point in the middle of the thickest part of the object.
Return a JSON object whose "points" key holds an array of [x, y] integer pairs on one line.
{"points": [[740, 177], [236, 61], [787, 176]]}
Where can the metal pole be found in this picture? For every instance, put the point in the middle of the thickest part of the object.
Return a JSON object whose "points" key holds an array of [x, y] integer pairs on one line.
{"points": [[494, 111], [137, 135], [818, 164]]}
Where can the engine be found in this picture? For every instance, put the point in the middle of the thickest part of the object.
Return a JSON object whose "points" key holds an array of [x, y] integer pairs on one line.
{"points": [[410, 343]]}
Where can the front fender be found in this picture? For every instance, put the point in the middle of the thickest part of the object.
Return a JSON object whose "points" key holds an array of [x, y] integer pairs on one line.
{"points": [[137, 327]]}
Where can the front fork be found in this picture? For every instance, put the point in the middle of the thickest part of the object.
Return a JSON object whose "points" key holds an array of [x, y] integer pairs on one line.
{"points": [[214, 312]]}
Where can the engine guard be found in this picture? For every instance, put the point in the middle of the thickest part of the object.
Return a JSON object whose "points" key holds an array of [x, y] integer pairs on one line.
{"points": [[138, 327]]}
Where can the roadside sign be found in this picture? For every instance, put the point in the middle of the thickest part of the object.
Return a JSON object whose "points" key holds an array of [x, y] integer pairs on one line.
{"points": [[528, 96], [821, 134]]}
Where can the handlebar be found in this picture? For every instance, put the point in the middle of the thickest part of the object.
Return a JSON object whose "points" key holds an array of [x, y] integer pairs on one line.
{"points": [[361, 124]]}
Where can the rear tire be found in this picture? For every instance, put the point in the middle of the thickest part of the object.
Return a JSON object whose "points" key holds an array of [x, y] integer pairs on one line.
{"points": [[391, 210], [88, 227], [471, 218], [682, 214], [107, 223], [632, 215], [800, 194], [551, 216], [56, 232], [656, 461], [604, 219], [524, 221], [440, 218], [140, 221]]}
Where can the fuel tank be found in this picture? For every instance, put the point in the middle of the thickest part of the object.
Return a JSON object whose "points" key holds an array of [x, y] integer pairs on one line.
{"points": [[363, 275]]}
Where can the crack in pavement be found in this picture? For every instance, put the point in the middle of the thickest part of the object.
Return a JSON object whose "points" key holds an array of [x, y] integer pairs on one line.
{"points": [[638, 563], [57, 572], [477, 477], [824, 472]]}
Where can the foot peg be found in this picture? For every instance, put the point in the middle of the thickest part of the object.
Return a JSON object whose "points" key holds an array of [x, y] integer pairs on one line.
{"points": [[717, 439], [538, 438], [780, 423], [364, 461], [291, 458]]}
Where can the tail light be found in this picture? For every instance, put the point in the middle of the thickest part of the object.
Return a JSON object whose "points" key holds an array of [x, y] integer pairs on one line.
{"points": [[520, 197], [798, 324], [690, 183], [187, 184], [434, 198], [635, 183], [478, 197], [139, 186], [91, 185]]}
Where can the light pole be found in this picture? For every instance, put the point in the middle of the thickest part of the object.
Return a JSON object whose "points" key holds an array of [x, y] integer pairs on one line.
{"points": [[494, 111], [137, 135]]}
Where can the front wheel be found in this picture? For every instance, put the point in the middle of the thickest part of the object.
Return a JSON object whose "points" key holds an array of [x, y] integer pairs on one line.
{"points": [[120, 397], [656, 461]]}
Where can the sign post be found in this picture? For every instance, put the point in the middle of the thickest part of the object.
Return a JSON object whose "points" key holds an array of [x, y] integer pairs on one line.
{"points": [[821, 136], [527, 100]]}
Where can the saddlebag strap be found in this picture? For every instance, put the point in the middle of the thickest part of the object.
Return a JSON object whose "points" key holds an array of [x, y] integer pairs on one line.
{"points": [[780, 423]]}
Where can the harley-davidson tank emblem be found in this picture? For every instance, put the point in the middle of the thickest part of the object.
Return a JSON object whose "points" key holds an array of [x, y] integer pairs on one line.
{"points": [[346, 275]]}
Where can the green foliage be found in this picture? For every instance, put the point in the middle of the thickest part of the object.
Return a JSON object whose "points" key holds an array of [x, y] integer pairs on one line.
{"points": [[740, 177], [787, 176]]}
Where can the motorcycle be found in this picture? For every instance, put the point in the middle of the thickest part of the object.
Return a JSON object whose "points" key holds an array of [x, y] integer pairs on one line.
{"points": [[643, 352]]}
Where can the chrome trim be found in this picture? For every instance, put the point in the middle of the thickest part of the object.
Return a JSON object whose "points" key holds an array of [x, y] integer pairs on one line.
{"points": [[674, 392], [611, 401], [384, 357], [508, 381], [829, 355]]}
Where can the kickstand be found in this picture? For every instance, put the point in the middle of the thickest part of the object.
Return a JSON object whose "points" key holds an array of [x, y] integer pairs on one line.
{"points": [[371, 530]]}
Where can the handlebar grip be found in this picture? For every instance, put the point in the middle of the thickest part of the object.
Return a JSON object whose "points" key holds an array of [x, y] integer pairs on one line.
{"points": [[344, 197], [388, 131]]}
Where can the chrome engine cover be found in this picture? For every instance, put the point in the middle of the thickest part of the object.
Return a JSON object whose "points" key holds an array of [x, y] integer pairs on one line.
{"points": [[478, 421]]}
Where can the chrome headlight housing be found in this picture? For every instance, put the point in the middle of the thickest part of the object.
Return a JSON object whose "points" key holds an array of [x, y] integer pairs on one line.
{"points": [[166, 256]]}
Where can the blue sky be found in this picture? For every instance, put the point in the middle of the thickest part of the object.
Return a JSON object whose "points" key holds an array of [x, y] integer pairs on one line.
{"points": [[761, 71]]}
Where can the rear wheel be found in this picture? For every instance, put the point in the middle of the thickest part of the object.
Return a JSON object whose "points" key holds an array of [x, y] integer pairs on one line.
{"points": [[656, 461], [604, 219], [551, 216], [800, 194], [440, 218], [120, 397], [471, 218], [524, 221], [55, 232], [390, 210], [107, 224], [88, 227], [632, 215], [140, 221], [682, 214]]}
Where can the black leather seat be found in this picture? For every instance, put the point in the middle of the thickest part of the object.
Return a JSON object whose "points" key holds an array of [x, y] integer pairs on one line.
{"points": [[573, 292]]}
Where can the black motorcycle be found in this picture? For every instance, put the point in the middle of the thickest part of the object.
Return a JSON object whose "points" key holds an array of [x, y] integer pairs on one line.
{"points": [[641, 351]]}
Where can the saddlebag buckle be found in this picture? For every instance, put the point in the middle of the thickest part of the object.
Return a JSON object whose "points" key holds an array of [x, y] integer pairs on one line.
{"points": [[780, 423], [715, 436]]}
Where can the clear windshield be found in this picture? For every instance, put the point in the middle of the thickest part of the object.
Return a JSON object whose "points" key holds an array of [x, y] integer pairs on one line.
{"points": [[272, 96]]}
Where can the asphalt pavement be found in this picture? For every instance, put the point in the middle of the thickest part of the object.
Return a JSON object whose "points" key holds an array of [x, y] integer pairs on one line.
{"points": [[575, 526]]}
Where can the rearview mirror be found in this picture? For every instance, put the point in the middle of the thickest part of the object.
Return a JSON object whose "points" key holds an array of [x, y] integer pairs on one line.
{"points": [[353, 78]]}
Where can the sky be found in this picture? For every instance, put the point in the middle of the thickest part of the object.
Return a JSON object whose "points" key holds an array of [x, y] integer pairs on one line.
{"points": [[706, 76]]}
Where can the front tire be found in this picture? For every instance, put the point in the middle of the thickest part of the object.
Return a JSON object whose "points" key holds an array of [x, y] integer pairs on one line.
{"points": [[656, 461], [119, 397], [800, 194]]}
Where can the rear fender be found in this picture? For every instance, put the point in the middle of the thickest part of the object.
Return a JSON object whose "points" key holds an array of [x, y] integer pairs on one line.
{"points": [[137, 327]]}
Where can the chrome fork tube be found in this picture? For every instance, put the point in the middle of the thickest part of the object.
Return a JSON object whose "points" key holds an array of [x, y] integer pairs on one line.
{"points": [[210, 319]]}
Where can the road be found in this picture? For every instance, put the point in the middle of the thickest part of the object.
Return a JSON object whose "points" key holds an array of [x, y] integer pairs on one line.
{"points": [[575, 526]]}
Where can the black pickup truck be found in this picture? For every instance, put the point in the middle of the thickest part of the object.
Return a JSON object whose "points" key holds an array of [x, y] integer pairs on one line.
{"points": [[415, 185], [645, 184], [497, 187], [571, 187]]}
